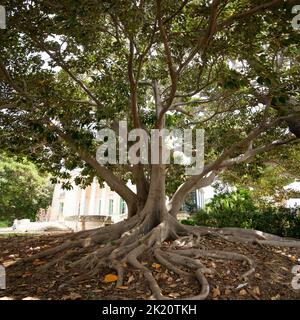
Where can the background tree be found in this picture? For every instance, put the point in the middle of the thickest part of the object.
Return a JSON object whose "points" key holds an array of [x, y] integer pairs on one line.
{"points": [[267, 176], [69, 68], [24, 190]]}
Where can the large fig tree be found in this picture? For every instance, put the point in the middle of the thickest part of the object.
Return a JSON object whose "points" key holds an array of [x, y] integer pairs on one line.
{"points": [[71, 68]]}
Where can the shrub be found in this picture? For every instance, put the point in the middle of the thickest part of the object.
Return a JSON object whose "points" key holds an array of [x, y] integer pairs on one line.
{"points": [[281, 221], [238, 209]]}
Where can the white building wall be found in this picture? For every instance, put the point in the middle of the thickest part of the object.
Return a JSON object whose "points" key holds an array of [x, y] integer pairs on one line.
{"points": [[92, 198], [292, 203], [82, 202], [54, 211], [85, 202], [208, 194], [71, 202]]}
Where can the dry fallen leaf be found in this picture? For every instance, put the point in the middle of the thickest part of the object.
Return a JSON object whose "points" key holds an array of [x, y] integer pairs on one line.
{"points": [[227, 292], [243, 292], [122, 287], [110, 278], [156, 266], [8, 263], [130, 279], [38, 262], [41, 290], [72, 296], [163, 276], [256, 291], [216, 292], [27, 274], [22, 285], [174, 295]]}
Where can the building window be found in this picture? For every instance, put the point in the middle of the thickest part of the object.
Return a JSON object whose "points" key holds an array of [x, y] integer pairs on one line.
{"points": [[122, 206], [111, 207], [99, 208]]}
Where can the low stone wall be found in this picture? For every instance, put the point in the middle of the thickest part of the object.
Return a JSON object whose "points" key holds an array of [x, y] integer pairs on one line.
{"points": [[80, 223], [25, 225]]}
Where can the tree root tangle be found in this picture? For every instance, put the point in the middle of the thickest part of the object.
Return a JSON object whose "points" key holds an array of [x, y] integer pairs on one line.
{"points": [[175, 246]]}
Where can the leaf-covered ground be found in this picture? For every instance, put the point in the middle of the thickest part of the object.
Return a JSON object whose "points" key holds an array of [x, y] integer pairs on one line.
{"points": [[272, 279]]}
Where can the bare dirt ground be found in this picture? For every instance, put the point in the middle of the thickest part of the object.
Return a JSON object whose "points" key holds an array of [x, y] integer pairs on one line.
{"points": [[271, 280]]}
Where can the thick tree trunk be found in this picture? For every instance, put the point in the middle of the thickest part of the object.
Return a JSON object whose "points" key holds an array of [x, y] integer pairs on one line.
{"points": [[142, 186], [182, 192]]}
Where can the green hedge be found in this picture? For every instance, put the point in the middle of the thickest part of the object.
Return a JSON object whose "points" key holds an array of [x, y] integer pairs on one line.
{"points": [[238, 209]]}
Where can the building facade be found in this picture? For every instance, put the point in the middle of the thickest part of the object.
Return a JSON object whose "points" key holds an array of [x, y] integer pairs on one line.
{"points": [[94, 206]]}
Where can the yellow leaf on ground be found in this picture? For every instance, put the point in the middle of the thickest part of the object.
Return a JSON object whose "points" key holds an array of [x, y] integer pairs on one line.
{"points": [[156, 266], [110, 278]]}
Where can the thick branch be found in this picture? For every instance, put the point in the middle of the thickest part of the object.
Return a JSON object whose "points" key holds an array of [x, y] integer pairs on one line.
{"points": [[204, 41], [169, 59], [211, 170], [133, 87], [250, 12], [113, 181]]}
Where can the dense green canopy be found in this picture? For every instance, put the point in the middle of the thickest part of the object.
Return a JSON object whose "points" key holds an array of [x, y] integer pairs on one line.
{"points": [[24, 190], [69, 68]]}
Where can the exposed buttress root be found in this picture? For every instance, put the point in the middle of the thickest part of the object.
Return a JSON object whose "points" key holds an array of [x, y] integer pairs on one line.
{"points": [[120, 245]]}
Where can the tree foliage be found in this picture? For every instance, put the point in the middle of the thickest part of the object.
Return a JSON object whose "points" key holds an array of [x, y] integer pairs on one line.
{"points": [[24, 190], [70, 68], [240, 209]]}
